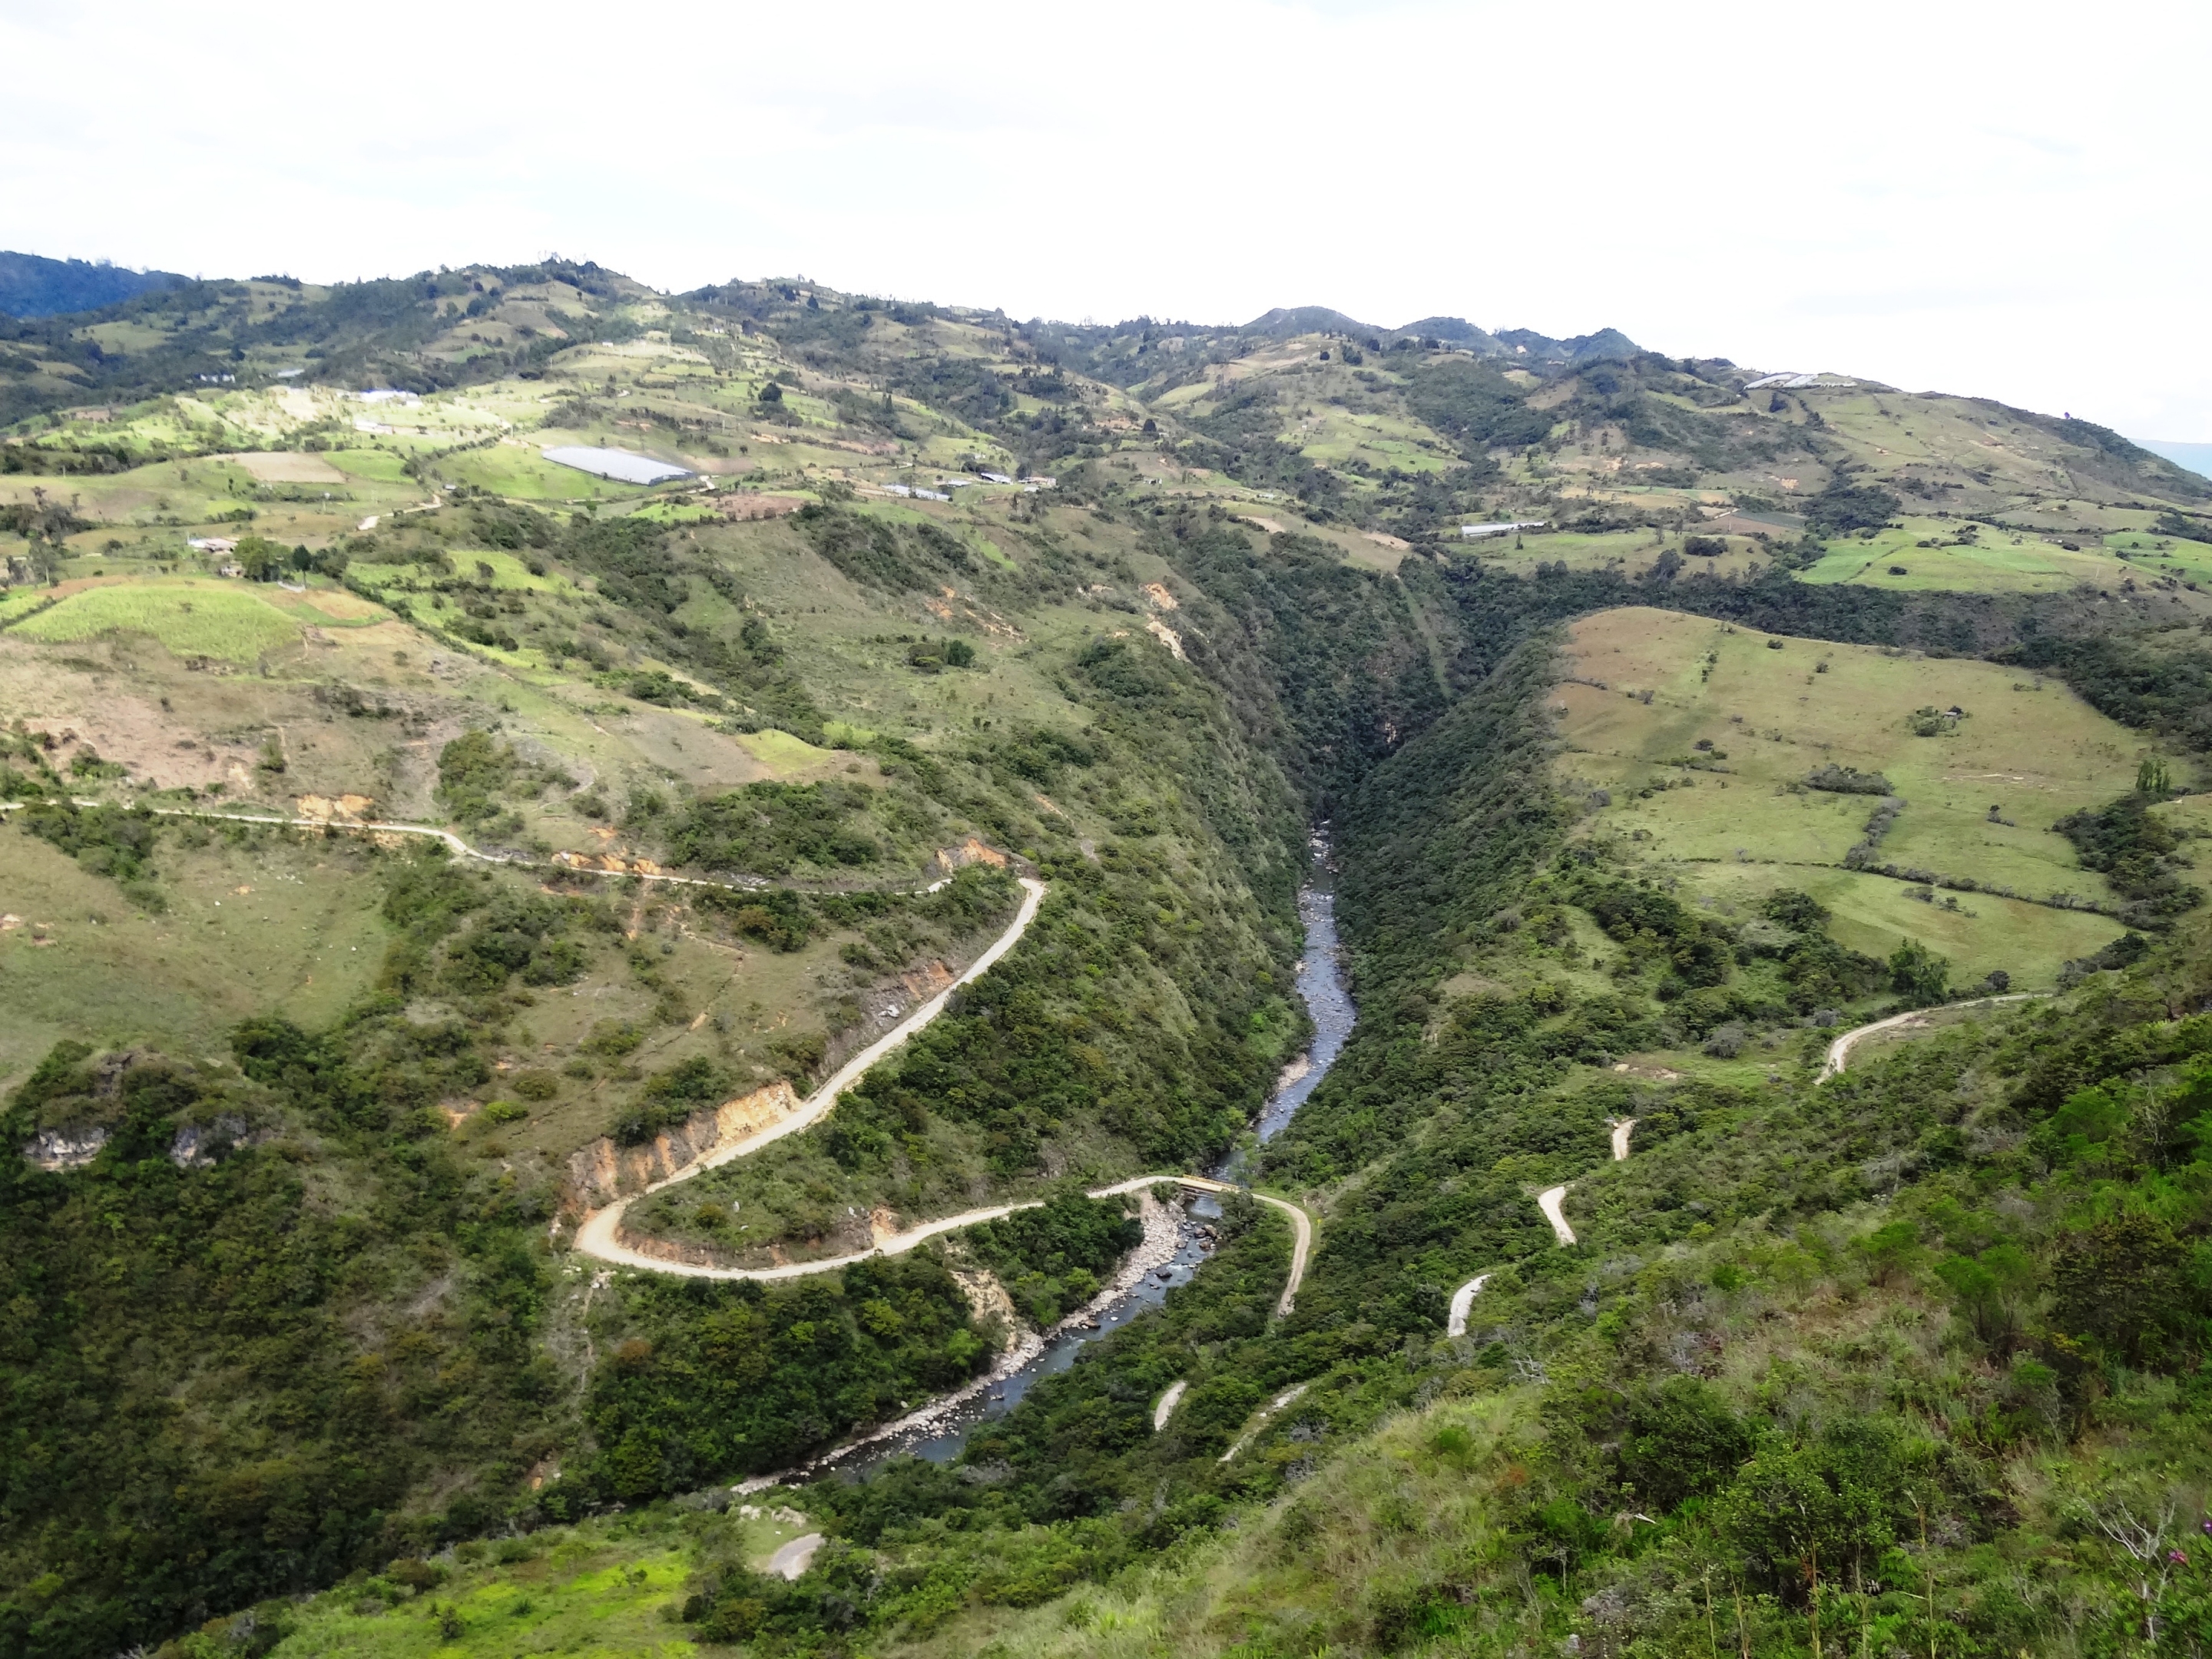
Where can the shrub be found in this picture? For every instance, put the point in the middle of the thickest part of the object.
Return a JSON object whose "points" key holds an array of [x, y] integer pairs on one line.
{"points": [[1846, 780], [1727, 1040], [1918, 974], [1683, 1441]]}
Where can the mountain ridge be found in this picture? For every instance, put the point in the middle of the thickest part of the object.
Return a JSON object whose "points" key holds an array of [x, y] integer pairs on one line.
{"points": [[32, 286], [1286, 322]]}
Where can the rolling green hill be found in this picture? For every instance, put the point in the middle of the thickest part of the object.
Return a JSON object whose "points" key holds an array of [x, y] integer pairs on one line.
{"points": [[415, 842]]}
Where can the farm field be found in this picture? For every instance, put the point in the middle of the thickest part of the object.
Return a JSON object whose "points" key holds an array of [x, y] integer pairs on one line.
{"points": [[1980, 798], [1338, 437], [149, 512], [191, 618], [1992, 561], [1977, 932]]}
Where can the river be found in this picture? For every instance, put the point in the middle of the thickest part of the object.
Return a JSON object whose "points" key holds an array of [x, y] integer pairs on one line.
{"points": [[1321, 987]]}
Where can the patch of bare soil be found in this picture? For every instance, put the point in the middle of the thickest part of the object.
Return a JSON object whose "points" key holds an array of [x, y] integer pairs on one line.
{"points": [[287, 467]]}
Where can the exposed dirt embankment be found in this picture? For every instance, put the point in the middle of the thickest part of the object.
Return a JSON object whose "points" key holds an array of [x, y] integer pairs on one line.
{"points": [[604, 1171]]}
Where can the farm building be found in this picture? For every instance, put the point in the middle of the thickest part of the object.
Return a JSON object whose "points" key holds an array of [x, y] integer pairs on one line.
{"points": [[618, 465]]}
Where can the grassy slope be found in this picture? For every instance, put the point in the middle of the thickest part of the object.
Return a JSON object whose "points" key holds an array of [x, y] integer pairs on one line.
{"points": [[2026, 746]]}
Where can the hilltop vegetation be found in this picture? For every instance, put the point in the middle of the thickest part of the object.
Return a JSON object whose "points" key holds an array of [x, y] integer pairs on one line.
{"points": [[32, 286], [1789, 704]]}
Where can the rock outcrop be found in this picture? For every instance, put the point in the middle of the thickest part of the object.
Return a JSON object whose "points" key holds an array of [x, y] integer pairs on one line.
{"points": [[56, 1149], [970, 851]]}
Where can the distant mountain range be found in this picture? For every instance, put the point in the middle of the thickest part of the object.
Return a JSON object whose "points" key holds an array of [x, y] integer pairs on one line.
{"points": [[1284, 322], [33, 286]]}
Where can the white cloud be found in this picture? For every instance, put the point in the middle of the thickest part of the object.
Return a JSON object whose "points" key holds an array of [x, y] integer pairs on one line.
{"points": [[1998, 200]]}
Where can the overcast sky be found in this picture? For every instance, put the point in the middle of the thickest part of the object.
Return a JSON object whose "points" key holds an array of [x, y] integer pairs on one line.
{"points": [[2002, 199]]}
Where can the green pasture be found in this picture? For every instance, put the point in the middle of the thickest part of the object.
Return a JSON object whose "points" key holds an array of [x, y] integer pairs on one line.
{"points": [[2157, 556], [375, 464], [1978, 932], [191, 618], [783, 755], [1896, 429], [599, 1591], [2191, 815], [676, 512], [1336, 437], [970, 531], [860, 678], [180, 495], [2028, 748], [1992, 561], [602, 1588], [1752, 1069], [526, 475], [305, 938], [508, 570]]}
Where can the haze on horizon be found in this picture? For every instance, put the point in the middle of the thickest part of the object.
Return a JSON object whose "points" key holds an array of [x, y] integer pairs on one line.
{"points": [[1945, 198]]}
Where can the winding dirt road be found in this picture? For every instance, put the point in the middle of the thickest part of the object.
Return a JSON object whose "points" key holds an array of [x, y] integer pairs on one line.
{"points": [[1840, 1051], [1549, 1202], [1168, 1401], [600, 1230], [596, 1237], [599, 1234], [1259, 1422], [1463, 1303], [361, 826], [794, 1558]]}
